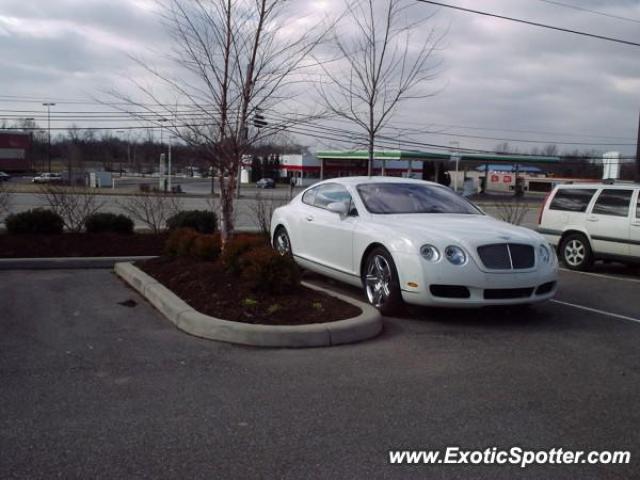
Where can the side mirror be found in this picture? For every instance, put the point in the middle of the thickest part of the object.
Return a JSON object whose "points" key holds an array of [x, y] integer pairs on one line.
{"points": [[340, 208]]}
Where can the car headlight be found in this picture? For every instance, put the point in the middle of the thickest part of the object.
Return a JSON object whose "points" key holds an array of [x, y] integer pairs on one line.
{"points": [[429, 252], [455, 255], [545, 253]]}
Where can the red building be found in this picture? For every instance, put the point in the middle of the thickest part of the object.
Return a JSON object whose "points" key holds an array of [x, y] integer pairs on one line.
{"points": [[15, 149]]}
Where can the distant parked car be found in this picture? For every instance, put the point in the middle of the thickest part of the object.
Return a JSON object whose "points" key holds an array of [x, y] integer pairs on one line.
{"points": [[593, 221], [48, 178], [266, 183], [4, 177]]}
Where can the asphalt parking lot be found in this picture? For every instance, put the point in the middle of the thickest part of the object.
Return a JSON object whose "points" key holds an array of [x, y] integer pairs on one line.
{"points": [[96, 384]]}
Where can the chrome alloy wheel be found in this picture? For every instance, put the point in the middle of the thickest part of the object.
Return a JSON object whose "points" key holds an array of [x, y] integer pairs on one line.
{"points": [[378, 280], [283, 245], [575, 253]]}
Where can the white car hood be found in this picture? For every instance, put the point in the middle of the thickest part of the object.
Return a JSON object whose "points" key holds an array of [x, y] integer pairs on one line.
{"points": [[468, 231]]}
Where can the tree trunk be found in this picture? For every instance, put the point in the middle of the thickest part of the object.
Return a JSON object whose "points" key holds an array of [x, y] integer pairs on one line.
{"points": [[370, 161], [227, 195]]}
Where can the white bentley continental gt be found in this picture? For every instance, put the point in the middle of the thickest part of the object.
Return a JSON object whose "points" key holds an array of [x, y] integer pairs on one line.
{"points": [[413, 241]]}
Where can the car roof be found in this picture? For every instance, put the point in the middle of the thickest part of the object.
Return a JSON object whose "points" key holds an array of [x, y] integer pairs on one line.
{"points": [[621, 185], [363, 179]]}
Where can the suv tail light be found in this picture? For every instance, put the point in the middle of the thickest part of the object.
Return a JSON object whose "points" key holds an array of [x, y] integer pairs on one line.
{"points": [[544, 204]]}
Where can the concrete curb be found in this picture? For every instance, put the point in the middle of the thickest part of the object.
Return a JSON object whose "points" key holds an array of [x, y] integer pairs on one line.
{"points": [[366, 325], [64, 263]]}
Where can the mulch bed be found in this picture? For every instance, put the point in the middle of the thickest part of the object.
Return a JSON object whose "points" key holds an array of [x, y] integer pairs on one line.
{"points": [[206, 287], [81, 245]]}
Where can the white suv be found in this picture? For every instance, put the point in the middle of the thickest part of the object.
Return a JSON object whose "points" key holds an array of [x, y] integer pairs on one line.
{"points": [[593, 221]]}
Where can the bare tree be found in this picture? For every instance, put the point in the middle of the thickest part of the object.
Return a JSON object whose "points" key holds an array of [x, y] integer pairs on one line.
{"points": [[153, 210], [387, 57], [261, 211], [73, 204], [235, 58], [512, 212]]}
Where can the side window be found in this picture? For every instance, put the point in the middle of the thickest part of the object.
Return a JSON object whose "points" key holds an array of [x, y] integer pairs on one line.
{"points": [[331, 192], [613, 202], [572, 199], [309, 196], [638, 208]]}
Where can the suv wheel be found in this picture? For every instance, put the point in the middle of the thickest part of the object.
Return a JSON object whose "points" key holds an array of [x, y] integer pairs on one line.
{"points": [[575, 252]]}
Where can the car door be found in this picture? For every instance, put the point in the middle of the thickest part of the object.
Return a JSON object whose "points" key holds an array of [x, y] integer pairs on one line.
{"points": [[301, 242], [328, 236], [608, 221], [634, 228]]}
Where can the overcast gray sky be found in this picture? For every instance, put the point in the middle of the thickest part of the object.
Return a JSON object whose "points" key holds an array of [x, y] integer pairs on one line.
{"points": [[499, 79]]}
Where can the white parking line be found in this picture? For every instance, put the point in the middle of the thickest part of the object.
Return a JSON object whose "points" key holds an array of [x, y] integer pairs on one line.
{"points": [[601, 275], [595, 310]]}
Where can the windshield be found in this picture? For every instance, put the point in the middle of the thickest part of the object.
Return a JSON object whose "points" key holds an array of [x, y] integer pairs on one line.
{"points": [[390, 198]]}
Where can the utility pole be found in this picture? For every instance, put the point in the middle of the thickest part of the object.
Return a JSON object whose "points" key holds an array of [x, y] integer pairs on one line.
{"points": [[49, 105], [120, 163], [455, 156], [163, 158]]}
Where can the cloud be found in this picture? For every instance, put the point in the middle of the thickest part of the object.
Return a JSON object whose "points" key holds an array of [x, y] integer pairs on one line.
{"points": [[497, 75]]}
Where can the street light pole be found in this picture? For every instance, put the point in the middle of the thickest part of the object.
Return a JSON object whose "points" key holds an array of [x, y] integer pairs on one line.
{"points": [[163, 158], [49, 105]]}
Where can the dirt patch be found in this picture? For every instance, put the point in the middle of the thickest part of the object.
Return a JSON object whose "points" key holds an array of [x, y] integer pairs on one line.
{"points": [[206, 287], [81, 245]]}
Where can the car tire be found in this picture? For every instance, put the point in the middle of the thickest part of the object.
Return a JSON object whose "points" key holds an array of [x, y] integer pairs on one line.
{"points": [[576, 253], [380, 282], [282, 242]]}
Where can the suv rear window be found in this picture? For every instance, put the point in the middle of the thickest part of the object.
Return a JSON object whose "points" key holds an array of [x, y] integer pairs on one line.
{"points": [[572, 199], [613, 202]]}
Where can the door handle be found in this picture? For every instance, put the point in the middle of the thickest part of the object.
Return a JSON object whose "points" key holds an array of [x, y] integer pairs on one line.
{"points": [[635, 224], [592, 219], [309, 218]]}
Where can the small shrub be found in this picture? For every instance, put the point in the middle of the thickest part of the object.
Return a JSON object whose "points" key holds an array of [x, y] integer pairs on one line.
{"points": [[206, 247], [269, 272], [180, 241], [73, 204], [38, 220], [151, 210], [202, 221], [108, 223], [235, 248]]}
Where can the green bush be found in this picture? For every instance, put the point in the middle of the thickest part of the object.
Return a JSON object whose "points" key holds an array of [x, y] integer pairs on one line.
{"points": [[202, 221], [37, 220], [267, 271], [236, 247], [180, 241], [108, 222]]}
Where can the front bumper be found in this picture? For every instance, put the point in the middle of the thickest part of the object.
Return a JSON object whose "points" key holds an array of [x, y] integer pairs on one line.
{"points": [[482, 288]]}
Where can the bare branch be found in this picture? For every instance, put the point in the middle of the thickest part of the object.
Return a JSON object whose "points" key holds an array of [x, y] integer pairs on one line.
{"points": [[381, 66], [73, 204], [153, 210]]}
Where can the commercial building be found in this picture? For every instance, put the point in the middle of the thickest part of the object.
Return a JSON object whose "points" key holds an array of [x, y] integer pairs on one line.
{"points": [[307, 168], [15, 148]]}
